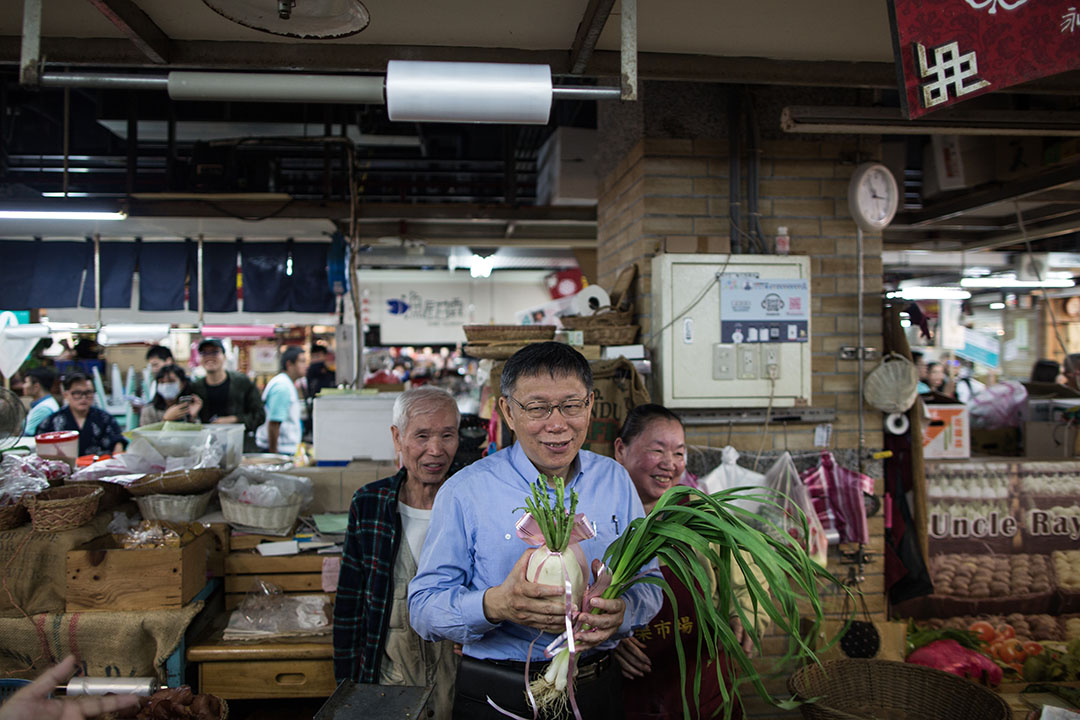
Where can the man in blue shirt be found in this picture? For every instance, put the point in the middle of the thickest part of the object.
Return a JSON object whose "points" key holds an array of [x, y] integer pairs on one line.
{"points": [[282, 431], [471, 586], [38, 386]]}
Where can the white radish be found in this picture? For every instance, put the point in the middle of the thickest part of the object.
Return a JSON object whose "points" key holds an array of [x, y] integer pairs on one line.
{"points": [[548, 568]]}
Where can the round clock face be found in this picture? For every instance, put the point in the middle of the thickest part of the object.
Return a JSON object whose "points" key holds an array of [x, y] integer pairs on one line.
{"points": [[873, 196]]}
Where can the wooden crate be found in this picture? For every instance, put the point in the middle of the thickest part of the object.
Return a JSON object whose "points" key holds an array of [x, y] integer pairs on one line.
{"points": [[270, 669], [104, 576], [294, 574]]}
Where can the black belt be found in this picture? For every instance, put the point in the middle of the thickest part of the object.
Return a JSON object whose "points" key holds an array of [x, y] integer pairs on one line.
{"points": [[589, 667]]}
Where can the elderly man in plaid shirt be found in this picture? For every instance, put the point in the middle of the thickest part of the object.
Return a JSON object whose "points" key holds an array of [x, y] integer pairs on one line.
{"points": [[388, 521]]}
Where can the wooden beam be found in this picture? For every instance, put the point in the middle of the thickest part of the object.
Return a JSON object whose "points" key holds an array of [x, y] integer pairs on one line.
{"points": [[130, 19], [588, 32]]}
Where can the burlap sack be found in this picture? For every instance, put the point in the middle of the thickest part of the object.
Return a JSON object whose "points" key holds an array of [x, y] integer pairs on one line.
{"points": [[106, 644], [33, 566], [619, 388]]}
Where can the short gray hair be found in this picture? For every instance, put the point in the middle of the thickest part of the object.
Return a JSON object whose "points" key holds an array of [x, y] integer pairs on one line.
{"points": [[420, 400]]}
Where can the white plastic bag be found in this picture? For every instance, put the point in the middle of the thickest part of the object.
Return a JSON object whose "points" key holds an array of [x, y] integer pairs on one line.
{"points": [[793, 504], [729, 474], [254, 486]]}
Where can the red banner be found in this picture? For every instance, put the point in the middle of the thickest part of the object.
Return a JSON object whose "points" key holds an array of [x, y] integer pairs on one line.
{"points": [[953, 50]]}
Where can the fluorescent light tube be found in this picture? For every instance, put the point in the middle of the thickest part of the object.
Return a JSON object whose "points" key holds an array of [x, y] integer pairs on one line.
{"points": [[993, 282], [59, 215], [997, 306], [925, 292]]}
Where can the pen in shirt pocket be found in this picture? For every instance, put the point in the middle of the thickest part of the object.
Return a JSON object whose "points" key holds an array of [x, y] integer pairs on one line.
{"points": [[615, 520]]}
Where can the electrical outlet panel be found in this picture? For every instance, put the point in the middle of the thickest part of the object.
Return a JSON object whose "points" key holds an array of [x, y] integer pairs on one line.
{"points": [[770, 361], [747, 361], [723, 367], [744, 317]]}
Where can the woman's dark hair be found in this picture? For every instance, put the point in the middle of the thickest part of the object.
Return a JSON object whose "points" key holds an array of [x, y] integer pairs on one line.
{"points": [[72, 378], [1045, 371], [555, 359], [641, 417], [185, 384]]}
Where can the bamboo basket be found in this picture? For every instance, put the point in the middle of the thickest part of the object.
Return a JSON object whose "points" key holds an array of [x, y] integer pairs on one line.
{"points": [[499, 333], [862, 689], [177, 482], [273, 517], [13, 516], [604, 317], [611, 335], [174, 508], [62, 508]]}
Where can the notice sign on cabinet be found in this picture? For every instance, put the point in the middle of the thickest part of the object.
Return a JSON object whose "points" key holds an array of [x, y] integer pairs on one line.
{"points": [[760, 310]]}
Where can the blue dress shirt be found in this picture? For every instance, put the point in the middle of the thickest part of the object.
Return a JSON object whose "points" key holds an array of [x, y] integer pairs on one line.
{"points": [[472, 546]]}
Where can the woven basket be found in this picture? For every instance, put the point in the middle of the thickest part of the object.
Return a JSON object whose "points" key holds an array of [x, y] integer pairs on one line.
{"points": [[12, 516], [174, 508], [62, 508], [611, 335], [274, 517], [177, 482], [489, 333], [498, 350], [892, 386], [603, 317], [865, 689]]}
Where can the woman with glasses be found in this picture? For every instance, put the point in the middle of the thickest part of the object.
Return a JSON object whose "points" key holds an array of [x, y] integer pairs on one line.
{"points": [[99, 433], [175, 399]]}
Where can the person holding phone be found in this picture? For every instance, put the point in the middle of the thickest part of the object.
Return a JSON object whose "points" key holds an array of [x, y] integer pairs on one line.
{"points": [[175, 399]]}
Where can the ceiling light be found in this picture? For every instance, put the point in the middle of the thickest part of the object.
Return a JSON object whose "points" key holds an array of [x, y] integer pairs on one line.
{"points": [[481, 267], [60, 215], [925, 292], [307, 19], [999, 282], [997, 306]]}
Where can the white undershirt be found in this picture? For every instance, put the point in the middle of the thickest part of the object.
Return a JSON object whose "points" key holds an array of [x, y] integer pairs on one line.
{"points": [[414, 522]]}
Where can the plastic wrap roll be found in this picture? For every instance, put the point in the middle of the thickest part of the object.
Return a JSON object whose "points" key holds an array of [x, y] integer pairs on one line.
{"points": [[468, 92], [119, 334], [144, 686], [897, 423], [589, 299]]}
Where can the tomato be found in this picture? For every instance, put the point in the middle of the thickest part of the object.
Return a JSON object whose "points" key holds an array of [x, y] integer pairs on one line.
{"points": [[984, 630], [1011, 651], [1032, 648], [1006, 631]]}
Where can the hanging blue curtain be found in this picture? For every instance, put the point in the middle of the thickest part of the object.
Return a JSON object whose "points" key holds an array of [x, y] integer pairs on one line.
{"points": [[219, 269], [20, 260], [58, 273], [266, 284], [310, 287], [162, 274], [118, 261]]}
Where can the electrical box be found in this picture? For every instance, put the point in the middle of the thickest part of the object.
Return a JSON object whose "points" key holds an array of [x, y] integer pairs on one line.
{"points": [[731, 330]]}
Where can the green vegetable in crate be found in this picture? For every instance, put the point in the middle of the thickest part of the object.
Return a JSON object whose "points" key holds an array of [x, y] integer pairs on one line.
{"points": [[685, 526]]}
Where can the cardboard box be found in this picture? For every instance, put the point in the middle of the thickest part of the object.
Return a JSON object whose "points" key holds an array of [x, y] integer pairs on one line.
{"points": [[101, 575], [1049, 440], [702, 244], [334, 486], [947, 433]]}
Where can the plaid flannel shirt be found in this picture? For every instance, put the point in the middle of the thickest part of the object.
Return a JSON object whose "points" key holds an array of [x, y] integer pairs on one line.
{"points": [[366, 582]]}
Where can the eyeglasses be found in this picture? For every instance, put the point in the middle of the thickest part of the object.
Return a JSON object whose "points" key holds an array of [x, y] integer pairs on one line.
{"points": [[81, 393], [567, 408]]}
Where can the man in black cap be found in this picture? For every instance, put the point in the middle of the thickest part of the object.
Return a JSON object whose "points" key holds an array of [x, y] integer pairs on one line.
{"points": [[228, 397]]}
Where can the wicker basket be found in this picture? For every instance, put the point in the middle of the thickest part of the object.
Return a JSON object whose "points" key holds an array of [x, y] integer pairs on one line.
{"points": [[63, 508], [865, 689], [489, 333], [274, 517], [604, 317], [177, 482], [12, 516], [611, 335], [174, 508]]}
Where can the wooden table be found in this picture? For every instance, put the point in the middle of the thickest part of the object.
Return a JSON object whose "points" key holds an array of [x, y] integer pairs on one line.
{"points": [[274, 669]]}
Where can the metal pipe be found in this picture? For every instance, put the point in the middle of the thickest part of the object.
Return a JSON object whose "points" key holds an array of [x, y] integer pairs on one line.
{"points": [[734, 169], [202, 284], [67, 136], [862, 350], [97, 279], [276, 87], [564, 92], [628, 50], [90, 80]]}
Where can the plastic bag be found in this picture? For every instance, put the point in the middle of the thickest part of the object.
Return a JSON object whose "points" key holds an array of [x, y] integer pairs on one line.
{"points": [[837, 495], [952, 657], [266, 611], [794, 504], [999, 406], [140, 459], [18, 478], [255, 486], [728, 474]]}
